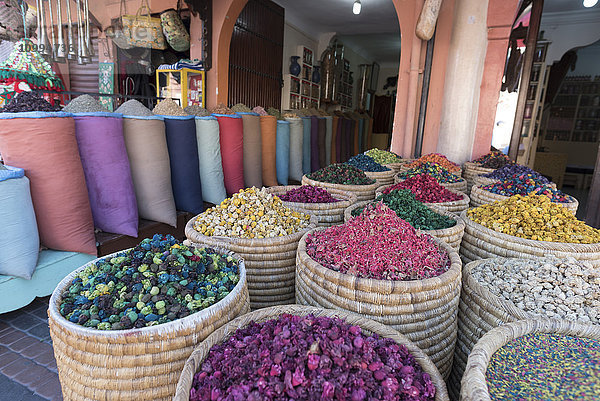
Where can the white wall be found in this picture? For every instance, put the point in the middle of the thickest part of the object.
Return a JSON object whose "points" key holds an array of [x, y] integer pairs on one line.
{"points": [[588, 61], [569, 30], [292, 38]]}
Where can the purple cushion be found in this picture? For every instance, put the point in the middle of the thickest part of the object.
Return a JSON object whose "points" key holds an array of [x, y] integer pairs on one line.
{"points": [[107, 173]]}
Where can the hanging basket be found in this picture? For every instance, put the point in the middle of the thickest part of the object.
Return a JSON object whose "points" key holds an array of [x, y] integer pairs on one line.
{"points": [[474, 383], [270, 263], [362, 192], [480, 242], [327, 214], [423, 310], [133, 364], [451, 236], [368, 326], [480, 196], [453, 206]]}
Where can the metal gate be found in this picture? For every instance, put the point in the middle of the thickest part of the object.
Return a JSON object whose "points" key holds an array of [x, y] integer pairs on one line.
{"points": [[255, 55]]}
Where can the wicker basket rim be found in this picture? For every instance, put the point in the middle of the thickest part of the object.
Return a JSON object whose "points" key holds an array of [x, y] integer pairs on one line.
{"points": [[447, 276], [365, 187], [56, 298], [474, 383], [547, 245], [257, 242], [224, 332], [464, 200], [479, 189], [400, 179], [349, 197]]}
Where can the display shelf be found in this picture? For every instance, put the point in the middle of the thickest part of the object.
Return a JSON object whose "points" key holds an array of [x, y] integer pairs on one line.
{"points": [[300, 92], [574, 119], [185, 85]]}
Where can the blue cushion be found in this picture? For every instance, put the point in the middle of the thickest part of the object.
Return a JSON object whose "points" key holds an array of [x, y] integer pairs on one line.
{"points": [[52, 267]]}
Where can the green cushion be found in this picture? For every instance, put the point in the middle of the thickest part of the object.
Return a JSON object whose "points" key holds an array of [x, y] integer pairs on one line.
{"points": [[52, 267]]}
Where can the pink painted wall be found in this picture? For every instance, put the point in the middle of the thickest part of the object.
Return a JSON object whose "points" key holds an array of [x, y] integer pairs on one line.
{"points": [[438, 74]]}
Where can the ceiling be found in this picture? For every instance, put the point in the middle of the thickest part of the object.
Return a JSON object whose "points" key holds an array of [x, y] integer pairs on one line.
{"points": [[561, 6], [374, 33]]}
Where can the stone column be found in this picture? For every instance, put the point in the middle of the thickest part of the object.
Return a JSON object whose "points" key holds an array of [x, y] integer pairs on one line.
{"points": [[463, 80]]}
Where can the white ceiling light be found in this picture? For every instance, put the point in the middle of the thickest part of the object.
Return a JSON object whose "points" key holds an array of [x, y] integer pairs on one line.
{"points": [[589, 3], [356, 6]]}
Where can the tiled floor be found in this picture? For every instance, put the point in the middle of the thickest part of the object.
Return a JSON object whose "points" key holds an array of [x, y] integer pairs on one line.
{"points": [[27, 365]]}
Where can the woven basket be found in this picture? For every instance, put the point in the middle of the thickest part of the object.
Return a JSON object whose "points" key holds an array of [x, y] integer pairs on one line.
{"points": [[481, 180], [327, 214], [451, 236], [382, 177], [270, 263], [480, 196], [474, 384], [480, 242], [395, 167], [362, 192], [368, 326], [133, 364], [472, 170], [423, 310], [453, 207], [460, 186], [479, 311], [405, 167]]}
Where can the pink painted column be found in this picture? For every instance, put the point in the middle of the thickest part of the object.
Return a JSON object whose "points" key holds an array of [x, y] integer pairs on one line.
{"points": [[500, 18]]}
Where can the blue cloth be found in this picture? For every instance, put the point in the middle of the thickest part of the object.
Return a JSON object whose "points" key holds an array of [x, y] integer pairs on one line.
{"points": [[306, 121], [282, 153]]}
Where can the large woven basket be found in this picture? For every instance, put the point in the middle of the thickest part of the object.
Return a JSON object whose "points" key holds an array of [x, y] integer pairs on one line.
{"points": [[480, 196], [474, 384], [405, 167], [327, 214], [472, 170], [382, 177], [270, 263], [423, 310], [395, 166], [460, 186], [479, 311], [368, 327], [481, 180], [480, 242], [362, 192], [451, 236], [453, 207], [133, 364]]}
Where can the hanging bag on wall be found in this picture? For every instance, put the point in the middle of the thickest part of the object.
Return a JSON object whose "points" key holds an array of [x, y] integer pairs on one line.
{"points": [[142, 30], [11, 21], [268, 131], [174, 30]]}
